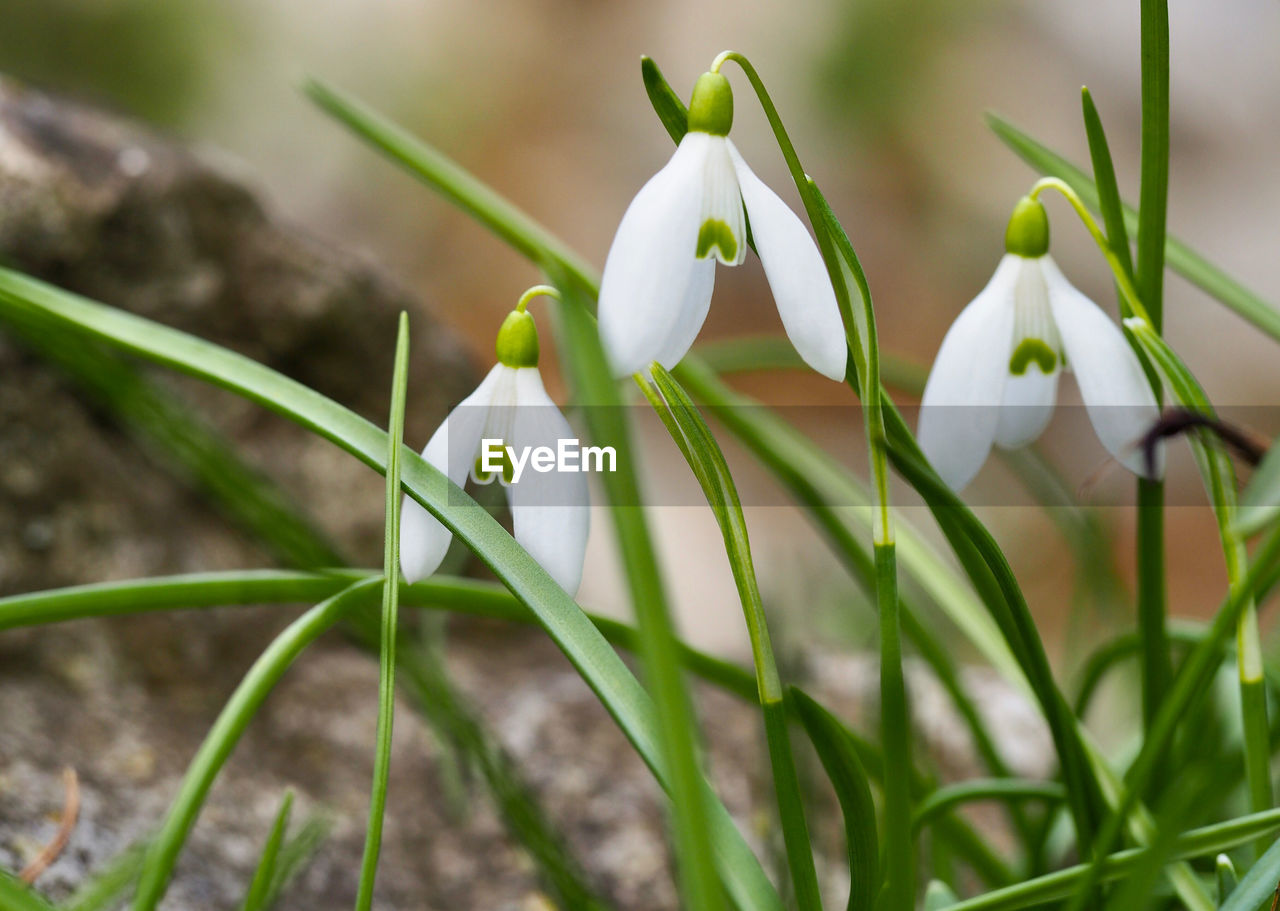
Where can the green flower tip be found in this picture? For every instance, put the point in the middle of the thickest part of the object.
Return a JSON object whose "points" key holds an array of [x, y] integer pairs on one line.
{"points": [[517, 344], [711, 109], [1028, 231]]}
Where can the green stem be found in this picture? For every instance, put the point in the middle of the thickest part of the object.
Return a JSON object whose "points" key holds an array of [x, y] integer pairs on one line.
{"points": [[895, 733], [1157, 668], [1153, 193], [1153, 197]]}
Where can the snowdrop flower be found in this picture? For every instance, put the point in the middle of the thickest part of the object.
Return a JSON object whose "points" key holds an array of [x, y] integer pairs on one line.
{"points": [[511, 415], [658, 277], [995, 379]]}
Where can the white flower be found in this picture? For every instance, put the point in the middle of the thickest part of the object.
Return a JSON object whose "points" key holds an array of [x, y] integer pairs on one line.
{"points": [[658, 277], [549, 510], [995, 379]]}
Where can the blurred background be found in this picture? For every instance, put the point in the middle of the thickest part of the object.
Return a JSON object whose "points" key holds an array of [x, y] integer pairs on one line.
{"points": [[884, 99]]}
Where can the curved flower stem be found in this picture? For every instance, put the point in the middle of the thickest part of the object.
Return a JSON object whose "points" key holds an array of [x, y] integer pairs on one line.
{"points": [[842, 264], [1130, 303], [535, 292]]}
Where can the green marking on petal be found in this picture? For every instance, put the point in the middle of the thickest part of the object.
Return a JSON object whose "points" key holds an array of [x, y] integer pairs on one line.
{"points": [[1032, 349], [500, 455], [715, 233]]}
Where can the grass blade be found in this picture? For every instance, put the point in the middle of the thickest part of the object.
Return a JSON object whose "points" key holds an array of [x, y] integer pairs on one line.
{"points": [[707, 461], [295, 855], [1010, 789], [260, 886], [390, 603], [840, 760]]}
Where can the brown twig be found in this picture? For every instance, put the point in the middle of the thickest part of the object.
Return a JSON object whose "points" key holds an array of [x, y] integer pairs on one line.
{"points": [[70, 812]]}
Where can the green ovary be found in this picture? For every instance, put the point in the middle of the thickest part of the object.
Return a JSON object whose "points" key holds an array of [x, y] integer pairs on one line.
{"points": [[1032, 349], [715, 233]]}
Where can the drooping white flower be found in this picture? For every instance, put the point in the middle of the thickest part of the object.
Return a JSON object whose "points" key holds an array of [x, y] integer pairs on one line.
{"points": [[549, 509], [658, 277], [995, 379]]}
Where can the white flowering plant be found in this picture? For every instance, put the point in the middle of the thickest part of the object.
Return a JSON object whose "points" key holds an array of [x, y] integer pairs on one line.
{"points": [[1165, 820]]}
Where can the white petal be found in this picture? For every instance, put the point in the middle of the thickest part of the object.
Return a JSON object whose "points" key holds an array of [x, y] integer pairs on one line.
{"points": [[549, 510], [960, 412], [452, 450], [651, 263], [1026, 407], [801, 287], [693, 313], [1115, 390], [721, 205]]}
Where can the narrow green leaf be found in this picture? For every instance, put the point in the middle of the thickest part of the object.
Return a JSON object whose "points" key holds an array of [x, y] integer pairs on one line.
{"points": [[708, 463], [390, 602], [1009, 789], [666, 103], [260, 886], [1109, 203], [840, 760], [297, 852], [1181, 258]]}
